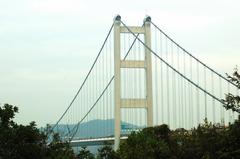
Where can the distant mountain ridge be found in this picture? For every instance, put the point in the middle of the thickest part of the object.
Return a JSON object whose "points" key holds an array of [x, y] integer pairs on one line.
{"points": [[95, 128]]}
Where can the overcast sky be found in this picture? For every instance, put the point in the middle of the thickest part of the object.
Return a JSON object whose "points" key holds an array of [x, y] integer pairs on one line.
{"points": [[48, 46]]}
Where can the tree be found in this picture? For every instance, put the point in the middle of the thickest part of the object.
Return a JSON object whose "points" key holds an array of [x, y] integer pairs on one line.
{"points": [[7, 114], [205, 141], [232, 145], [27, 142], [85, 154], [18, 141], [150, 143], [106, 152], [58, 149], [233, 101]]}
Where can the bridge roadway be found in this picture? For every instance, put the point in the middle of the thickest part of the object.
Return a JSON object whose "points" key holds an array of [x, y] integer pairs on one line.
{"points": [[94, 141]]}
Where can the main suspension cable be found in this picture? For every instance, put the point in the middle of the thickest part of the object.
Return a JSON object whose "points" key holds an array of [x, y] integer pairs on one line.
{"points": [[78, 124], [109, 32], [166, 63], [192, 55]]}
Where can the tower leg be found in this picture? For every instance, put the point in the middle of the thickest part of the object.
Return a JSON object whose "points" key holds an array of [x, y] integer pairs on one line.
{"points": [[148, 59], [117, 78]]}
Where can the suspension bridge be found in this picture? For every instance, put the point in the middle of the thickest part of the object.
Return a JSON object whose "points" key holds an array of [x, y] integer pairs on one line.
{"points": [[141, 77]]}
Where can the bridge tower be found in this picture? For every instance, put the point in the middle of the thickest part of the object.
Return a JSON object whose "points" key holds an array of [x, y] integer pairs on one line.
{"points": [[146, 64]]}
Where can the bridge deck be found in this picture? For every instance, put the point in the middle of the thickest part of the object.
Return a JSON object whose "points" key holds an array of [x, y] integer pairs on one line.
{"points": [[94, 141]]}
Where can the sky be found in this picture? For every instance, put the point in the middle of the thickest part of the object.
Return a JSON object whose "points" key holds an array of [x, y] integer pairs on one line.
{"points": [[48, 46]]}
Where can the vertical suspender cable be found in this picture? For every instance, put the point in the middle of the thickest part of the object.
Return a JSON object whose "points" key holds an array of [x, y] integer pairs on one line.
{"points": [[127, 89], [221, 107], [205, 95], [134, 87], [131, 78], [106, 79], [86, 102], [106, 95], [189, 97], [167, 72], [84, 99], [179, 91], [156, 81], [197, 91], [130, 87], [109, 90], [103, 76], [125, 80], [137, 93], [81, 108], [139, 83], [161, 80], [145, 85], [185, 92], [111, 93], [191, 94], [102, 85], [124, 83], [97, 85], [173, 90], [182, 100], [213, 100]]}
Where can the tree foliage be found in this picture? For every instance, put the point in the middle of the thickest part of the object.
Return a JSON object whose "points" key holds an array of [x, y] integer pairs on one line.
{"points": [[27, 142], [207, 141], [233, 101], [150, 143], [85, 154], [106, 152]]}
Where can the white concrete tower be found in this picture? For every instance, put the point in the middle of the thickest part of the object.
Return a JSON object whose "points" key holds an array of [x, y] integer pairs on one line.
{"points": [[146, 64]]}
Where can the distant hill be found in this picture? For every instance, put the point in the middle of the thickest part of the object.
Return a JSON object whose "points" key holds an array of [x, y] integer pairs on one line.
{"points": [[95, 128]]}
